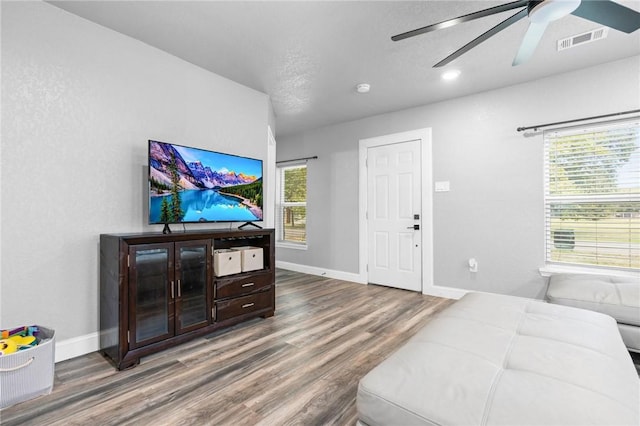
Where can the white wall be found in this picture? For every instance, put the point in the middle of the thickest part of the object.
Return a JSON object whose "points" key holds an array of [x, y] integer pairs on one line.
{"points": [[79, 103], [494, 211]]}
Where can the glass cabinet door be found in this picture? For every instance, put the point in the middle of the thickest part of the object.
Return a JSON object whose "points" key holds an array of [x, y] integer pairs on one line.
{"points": [[151, 306], [192, 281]]}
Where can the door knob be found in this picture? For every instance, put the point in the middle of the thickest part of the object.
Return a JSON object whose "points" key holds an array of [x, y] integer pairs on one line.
{"points": [[414, 227]]}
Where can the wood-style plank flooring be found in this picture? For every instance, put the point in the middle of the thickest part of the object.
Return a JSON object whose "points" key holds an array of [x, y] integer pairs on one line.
{"points": [[301, 366]]}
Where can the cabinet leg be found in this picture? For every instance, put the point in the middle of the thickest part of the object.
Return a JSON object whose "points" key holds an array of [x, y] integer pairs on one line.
{"points": [[129, 364]]}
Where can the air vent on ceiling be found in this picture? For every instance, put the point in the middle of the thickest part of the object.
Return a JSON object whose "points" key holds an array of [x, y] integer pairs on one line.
{"points": [[577, 40]]}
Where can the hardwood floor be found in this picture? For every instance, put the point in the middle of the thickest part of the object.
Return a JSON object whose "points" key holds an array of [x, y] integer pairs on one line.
{"points": [[301, 366]]}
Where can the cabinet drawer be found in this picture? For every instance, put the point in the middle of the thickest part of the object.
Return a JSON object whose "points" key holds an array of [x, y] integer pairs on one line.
{"points": [[232, 287], [242, 305]]}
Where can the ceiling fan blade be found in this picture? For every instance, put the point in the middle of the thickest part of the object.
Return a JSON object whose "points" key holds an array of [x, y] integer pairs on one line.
{"points": [[530, 42], [610, 14], [461, 19], [464, 49]]}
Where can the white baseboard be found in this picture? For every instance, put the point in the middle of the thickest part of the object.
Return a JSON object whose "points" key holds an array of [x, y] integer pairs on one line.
{"points": [[321, 272], [446, 292], [81, 345], [76, 346], [434, 290]]}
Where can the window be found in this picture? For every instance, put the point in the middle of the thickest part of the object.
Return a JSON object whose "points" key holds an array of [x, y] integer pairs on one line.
{"points": [[292, 204], [592, 195]]}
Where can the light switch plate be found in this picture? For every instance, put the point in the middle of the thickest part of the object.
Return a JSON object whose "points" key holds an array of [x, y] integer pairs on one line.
{"points": [[442, 186]]}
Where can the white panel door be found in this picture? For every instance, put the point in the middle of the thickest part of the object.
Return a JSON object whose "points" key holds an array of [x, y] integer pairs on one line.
{"points": [[393, 215]]}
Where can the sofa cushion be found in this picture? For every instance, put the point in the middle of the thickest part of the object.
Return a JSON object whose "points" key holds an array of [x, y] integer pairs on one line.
{"points": [[615, 296], [493, 359]]}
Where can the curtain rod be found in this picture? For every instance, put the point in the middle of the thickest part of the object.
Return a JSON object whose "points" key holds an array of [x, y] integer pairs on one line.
{"points": [[633, 111], [315, 157]]}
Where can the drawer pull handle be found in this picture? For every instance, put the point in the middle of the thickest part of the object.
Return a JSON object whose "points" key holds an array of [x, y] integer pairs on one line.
{"points": [[248, 305], [247, 285]]}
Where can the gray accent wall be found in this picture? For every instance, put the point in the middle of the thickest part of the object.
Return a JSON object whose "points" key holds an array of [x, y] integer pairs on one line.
{"points": [[494, 210], [79, 103]]}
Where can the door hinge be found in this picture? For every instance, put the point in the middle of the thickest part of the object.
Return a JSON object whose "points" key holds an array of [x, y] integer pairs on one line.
{"points": [[128, 337], [128, 263], [213, 314], [367, 267]]}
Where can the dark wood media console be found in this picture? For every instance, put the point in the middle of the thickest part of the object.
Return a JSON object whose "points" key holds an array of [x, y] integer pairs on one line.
{"points": [[159, 290]]}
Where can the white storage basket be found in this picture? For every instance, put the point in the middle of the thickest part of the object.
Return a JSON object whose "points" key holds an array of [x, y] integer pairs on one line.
{"points": [[252, 258], [226, 262], [28, 373]]}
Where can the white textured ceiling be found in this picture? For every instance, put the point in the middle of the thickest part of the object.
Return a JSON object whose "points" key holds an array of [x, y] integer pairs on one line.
{"points": [[308, 56]]}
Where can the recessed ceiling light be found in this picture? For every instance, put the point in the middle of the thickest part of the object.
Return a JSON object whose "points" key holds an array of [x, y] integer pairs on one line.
{"points": [[451, 75], [363, 88]]}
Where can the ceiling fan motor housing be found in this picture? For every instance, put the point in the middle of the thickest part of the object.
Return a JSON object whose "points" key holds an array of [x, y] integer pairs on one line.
{"points": [[544, 11]]}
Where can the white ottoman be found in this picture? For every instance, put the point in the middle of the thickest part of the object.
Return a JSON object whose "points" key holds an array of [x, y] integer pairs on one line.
{"points": [[615, 296], [502, 360]]}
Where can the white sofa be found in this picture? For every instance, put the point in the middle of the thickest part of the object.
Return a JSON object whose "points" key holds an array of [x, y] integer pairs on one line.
{"points": [[615, 296], [501, 360]]}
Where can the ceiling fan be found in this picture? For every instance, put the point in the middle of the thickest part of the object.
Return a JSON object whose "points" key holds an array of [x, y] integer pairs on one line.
{"points": [[540, 14]]}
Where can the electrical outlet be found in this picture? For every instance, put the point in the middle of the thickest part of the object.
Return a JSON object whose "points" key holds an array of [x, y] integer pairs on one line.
{"points": [[442, 186]]}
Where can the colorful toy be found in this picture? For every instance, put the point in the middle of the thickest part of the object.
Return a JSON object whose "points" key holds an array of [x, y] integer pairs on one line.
{"points": [[18, 339], [23, 340], [8, 346]]}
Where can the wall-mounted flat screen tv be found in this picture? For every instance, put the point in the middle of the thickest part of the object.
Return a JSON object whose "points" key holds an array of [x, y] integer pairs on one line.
{"points": [[195, 185]]}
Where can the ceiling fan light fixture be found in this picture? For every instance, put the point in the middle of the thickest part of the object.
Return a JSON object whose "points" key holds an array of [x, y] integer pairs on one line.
{"points": [[540, 13], [450, 75], [545, 11]]}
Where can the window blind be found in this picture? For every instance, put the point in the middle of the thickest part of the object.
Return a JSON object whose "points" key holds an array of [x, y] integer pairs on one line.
{"points": [[592, 195]]}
